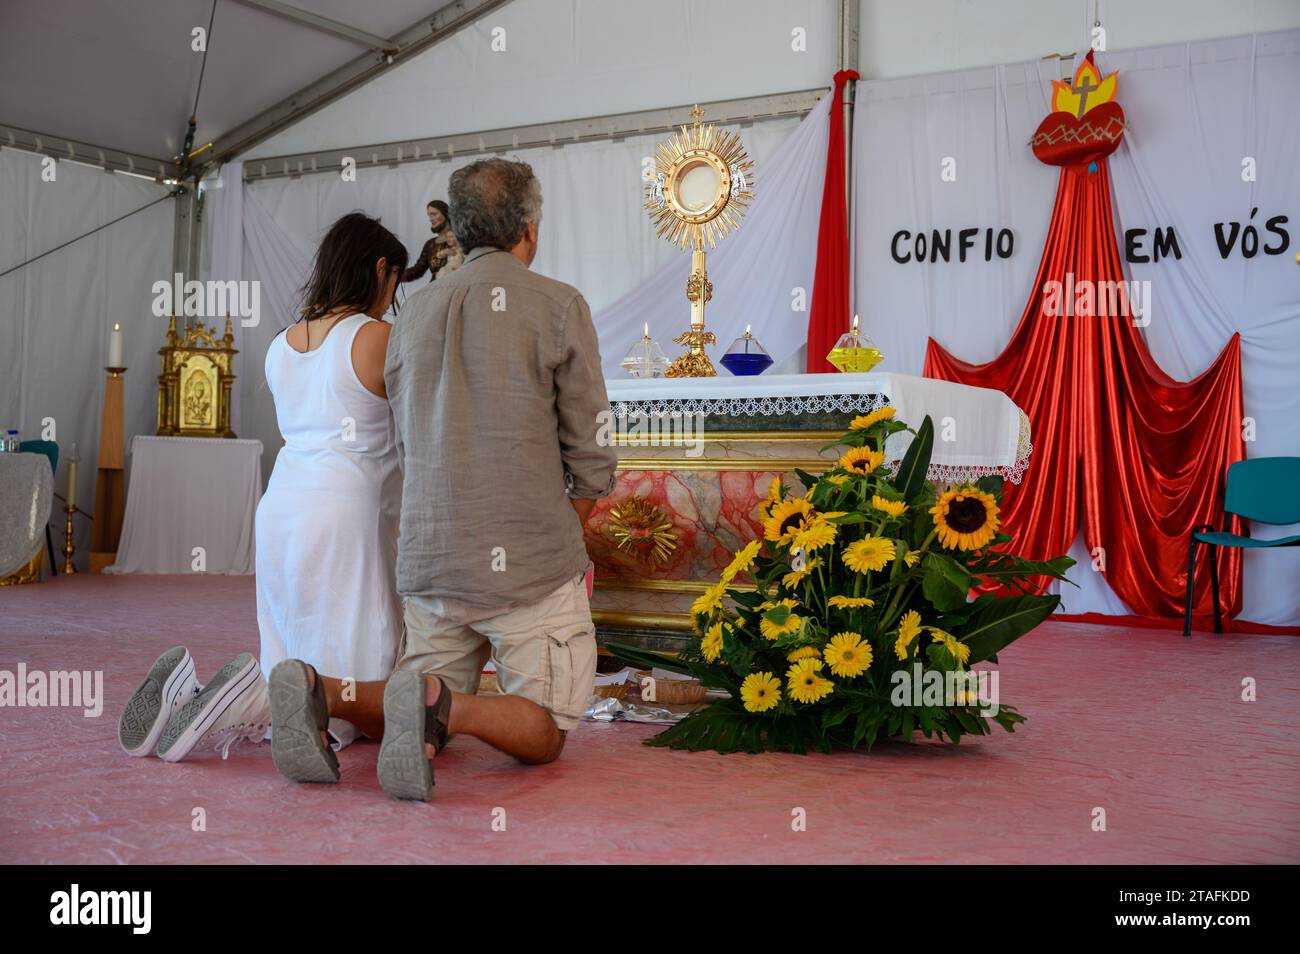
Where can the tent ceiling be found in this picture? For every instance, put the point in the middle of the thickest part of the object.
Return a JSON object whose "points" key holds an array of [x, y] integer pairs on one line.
{"points": [[123, 75]]}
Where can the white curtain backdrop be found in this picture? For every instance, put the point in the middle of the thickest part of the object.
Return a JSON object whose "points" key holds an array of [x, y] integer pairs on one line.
{"points": [[56, 314], [594, 235], [1195, 111]]}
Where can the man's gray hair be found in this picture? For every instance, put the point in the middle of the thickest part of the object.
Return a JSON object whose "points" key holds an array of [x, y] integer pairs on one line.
{"points": [[492, 201]]}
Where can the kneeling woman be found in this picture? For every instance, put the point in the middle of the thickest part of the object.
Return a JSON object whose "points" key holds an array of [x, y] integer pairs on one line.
{"points": [[326, 527]]}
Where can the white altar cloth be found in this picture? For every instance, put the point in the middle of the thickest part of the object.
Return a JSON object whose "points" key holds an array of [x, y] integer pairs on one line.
{"points": [[977, 431], [188, 492]]}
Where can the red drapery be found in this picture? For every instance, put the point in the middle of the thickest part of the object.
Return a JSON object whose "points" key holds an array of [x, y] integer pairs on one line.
{"points": [[1139, 457], [828, 313]]}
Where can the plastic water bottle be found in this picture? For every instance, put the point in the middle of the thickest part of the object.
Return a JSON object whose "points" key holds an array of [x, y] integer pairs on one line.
{"points": [[11, 440]]}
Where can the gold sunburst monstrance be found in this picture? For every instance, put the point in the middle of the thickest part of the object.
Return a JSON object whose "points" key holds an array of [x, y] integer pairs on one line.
{"points": [[702, 185]]}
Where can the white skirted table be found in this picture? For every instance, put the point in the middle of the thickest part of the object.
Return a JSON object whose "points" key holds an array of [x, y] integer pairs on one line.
{"points": [[696, 456], [190, 506], [26, 494]]}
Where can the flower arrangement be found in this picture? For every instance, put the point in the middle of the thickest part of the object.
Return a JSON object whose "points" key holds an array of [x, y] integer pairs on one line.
{"points": [[861, 585]]}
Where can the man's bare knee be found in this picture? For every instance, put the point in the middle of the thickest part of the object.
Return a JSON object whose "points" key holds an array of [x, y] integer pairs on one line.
{"points": [[552, 752]]}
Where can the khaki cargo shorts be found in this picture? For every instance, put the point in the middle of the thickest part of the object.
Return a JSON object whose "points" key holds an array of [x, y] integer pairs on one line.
{"points": [[545, 652]]}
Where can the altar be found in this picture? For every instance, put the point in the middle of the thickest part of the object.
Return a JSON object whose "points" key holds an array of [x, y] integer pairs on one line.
{"points": [[697, 455], [190, 506]]}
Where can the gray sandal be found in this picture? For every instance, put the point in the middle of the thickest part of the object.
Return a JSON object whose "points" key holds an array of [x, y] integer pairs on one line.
{"points": [[298, 716], [404, 769]]}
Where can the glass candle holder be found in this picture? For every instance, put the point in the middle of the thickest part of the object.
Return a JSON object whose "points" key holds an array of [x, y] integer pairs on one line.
{"points": [[854, 352], [746, 356]]}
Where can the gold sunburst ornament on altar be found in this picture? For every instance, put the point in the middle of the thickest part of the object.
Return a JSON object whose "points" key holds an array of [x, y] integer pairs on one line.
{"points": [[640, 528], [703, 181]]}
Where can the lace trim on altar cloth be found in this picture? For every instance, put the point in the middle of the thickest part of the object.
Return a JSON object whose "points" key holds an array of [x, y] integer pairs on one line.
{"points": [[752, 406], [942, 474]]}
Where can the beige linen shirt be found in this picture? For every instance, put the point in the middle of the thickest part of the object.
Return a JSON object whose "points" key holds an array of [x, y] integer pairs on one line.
{"points": [[494, 377]]}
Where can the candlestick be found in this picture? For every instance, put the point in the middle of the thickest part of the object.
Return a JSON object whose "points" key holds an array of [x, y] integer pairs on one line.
{"points": [[67, 541], [115, 346], [72, 478]]}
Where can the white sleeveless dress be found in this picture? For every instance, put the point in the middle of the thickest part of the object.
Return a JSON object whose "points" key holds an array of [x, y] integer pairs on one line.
{"points": [[327, 524]]}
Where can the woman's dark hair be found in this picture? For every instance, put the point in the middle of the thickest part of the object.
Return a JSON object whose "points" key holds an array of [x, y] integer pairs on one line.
{"points": [[344, 272]]}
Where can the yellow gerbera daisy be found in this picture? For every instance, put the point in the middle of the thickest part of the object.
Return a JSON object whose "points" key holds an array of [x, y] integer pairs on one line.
{"points": [[911, 558], [786, 518], [848, 655], [862, 422], [803, 652], [795, 577], [804, 683], [743, 560], [711, 644], [710, 599], [966, 518], [760, 691], [869, 553], [849, 602], [956, 648], [861, 460], [909, 628], [895, 508], [816, 533], [793, 621]]}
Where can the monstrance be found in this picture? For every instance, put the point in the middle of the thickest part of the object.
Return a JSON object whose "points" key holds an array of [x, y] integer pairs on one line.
{"points": [[703, 182]]}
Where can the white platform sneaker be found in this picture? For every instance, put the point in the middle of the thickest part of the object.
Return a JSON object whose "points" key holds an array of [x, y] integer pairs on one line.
{"points": [[235, 706], [171, 683]]}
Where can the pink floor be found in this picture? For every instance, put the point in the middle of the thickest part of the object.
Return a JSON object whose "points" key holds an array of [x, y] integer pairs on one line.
{"points": [[1141, 723]]}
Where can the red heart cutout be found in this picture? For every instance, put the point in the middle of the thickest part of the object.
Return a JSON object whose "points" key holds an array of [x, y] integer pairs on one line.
{"points": [[1065, 140]]}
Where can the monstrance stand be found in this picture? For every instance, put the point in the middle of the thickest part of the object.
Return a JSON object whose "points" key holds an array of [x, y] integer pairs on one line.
{"points": [[703, 182]]}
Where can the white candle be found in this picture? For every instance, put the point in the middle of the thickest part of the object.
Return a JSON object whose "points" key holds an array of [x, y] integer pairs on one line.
{"points": [[72, 477], [115, 347]]}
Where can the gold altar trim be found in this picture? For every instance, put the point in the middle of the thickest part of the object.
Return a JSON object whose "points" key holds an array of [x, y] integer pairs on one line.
{"points": [[757, 465], [673, 621], [690, 587], [28, 573], [621, 438]]}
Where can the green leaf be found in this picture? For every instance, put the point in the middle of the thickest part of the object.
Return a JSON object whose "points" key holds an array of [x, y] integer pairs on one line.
{"points": [[991, 484], [1002, 621], [910, 478], [647, 659], [946, 582]]}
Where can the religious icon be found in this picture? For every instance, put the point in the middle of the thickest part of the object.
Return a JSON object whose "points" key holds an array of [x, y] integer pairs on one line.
{"points": [[701, 186], [1086, 123], [194, 386]]}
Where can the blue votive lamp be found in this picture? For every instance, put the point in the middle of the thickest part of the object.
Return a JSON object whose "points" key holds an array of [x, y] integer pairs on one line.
{"points": [[746, 356]]}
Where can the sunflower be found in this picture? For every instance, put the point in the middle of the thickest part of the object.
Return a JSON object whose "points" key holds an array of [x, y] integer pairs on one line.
{"points": [[786, 518], [836, 479], [711, 644], [774, 489], [816, 533], [743, 560], [803, 652], [710, 599], [863, 421], [849, 602], [869, 553], [895, 508], [760, 691], [966, 518], [848, 655], [956, 648], [795, 577], [804, 683], [861, 460], [909, 627], [793, 621]]}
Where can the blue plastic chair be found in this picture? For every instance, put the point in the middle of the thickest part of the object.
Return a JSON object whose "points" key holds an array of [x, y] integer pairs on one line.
{"points": [[50, 450], [1263, 490]]}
